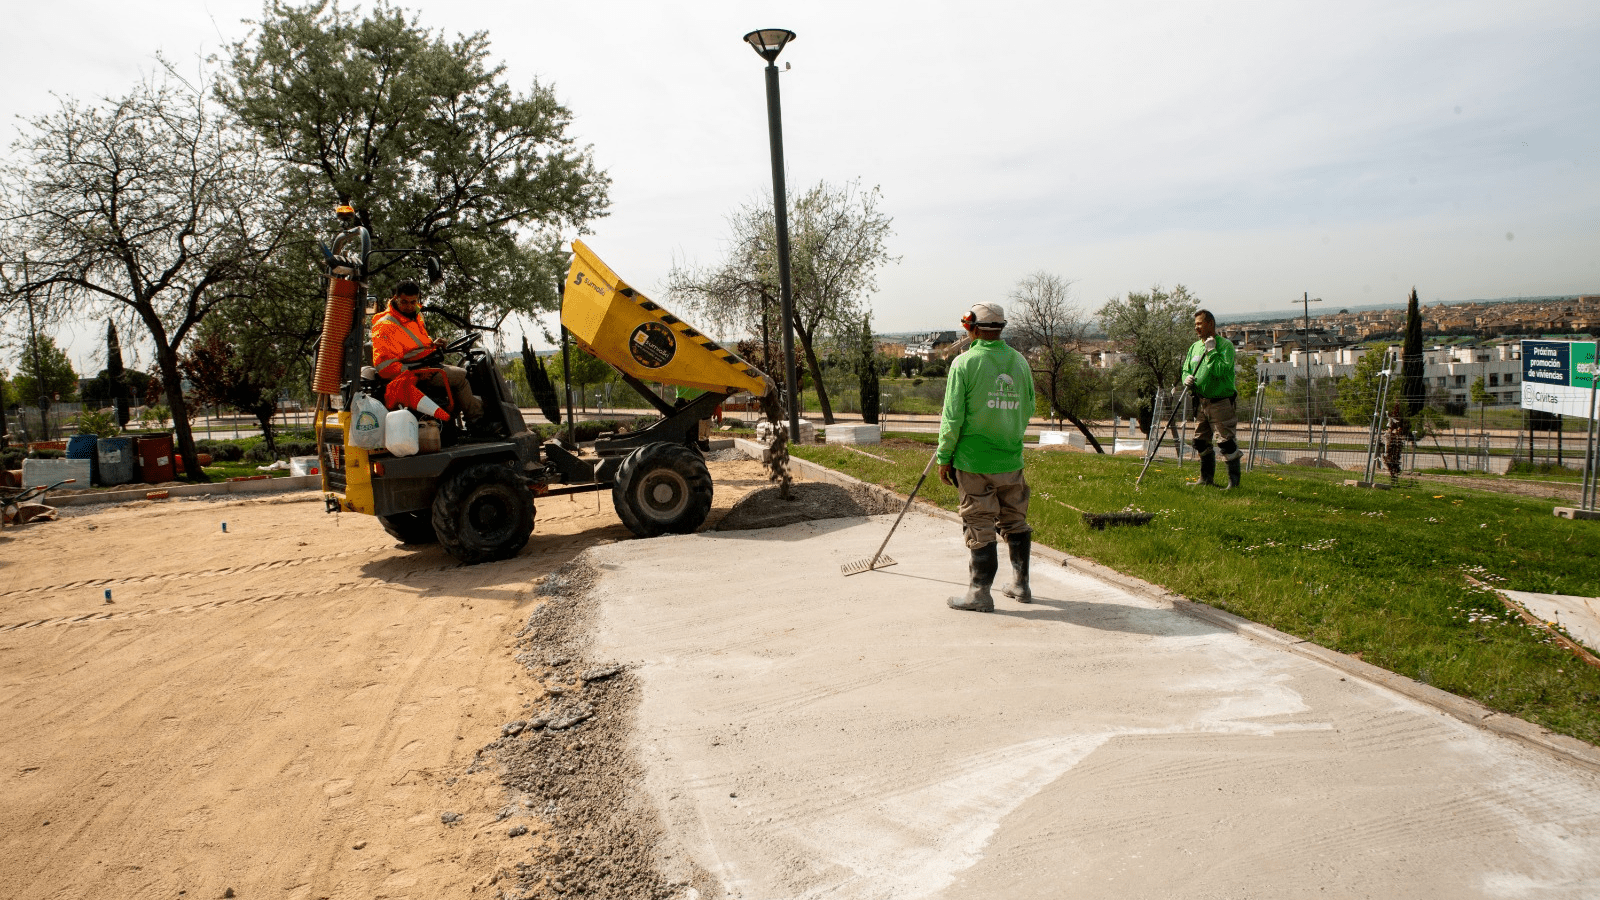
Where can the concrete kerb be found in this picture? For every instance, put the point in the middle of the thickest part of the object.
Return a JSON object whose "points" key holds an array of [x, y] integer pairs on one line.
{"points": [[258, 486], [1469, 711]]}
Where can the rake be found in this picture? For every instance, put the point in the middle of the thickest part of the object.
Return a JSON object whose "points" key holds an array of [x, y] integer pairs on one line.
{"points": [[1099, 521], [878, 560]]}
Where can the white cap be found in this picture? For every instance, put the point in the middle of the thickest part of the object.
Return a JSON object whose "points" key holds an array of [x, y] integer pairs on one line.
{"points": [[988, 315]]}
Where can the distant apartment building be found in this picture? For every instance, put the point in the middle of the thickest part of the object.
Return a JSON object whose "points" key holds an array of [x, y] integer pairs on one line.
{"points": [[1448, 370], [932, 345]]}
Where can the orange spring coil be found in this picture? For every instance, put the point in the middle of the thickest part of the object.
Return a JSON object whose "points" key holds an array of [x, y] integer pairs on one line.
{"points": [[335, 326]]}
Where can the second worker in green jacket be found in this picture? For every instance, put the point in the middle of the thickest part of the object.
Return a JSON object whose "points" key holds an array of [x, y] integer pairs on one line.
{"points": [[988, 400], [1208, 373]]}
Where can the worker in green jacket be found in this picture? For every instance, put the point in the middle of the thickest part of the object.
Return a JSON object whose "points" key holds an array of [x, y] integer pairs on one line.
{"points": [[988, 400], [1208, 374]]}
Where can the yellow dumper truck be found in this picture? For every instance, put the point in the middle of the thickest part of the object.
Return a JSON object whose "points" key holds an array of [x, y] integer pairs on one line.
{"points": [[474, 494]]}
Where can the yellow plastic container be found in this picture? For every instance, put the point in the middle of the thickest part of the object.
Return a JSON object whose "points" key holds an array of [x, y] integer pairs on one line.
{"points": [[625, 328]]}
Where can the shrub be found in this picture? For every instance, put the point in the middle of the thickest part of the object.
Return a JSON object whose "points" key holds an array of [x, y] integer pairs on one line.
{"points": [[258, 454], [1523, 467], [99, 423], [11, 457]]}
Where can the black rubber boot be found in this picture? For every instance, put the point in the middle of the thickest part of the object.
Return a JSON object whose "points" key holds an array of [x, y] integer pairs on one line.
{"points": [[1208, 471], [1233, 473], [985, 563], [1019, 547]]}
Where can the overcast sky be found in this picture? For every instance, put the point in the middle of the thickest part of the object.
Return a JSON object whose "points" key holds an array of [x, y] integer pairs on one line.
{"points": [[1249, 150]]}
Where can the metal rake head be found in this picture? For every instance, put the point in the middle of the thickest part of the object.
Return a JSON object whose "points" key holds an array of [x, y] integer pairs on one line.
{"points": [[863, 565], [1099, 521]]}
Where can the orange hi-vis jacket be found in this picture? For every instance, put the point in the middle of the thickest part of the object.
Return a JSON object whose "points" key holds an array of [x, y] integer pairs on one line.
{"points": [[397, 342]]}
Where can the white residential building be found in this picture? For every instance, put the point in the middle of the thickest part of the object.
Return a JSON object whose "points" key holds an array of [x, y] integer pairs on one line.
{"points": [[1449, 370]]}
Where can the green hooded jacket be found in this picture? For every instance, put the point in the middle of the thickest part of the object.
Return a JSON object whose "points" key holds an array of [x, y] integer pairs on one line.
{"points": [[988, 400]]}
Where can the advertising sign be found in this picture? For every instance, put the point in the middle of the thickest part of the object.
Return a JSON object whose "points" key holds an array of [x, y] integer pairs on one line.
{"points": [[1557, 376]]}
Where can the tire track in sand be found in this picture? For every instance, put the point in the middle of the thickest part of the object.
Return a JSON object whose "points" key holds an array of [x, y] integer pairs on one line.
{"points": [[158, 577]]}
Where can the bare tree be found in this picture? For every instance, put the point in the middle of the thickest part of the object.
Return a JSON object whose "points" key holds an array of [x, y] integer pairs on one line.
{"points": [[838, 240], [740, 294], [149, 208], [1048, 328]]}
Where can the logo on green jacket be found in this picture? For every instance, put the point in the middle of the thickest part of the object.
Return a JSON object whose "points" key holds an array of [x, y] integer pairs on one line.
{"points": [[1004, 395]]}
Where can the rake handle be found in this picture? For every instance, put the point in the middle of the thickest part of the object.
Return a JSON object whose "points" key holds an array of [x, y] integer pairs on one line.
{"points": [[1165, 426], [903, 510]]}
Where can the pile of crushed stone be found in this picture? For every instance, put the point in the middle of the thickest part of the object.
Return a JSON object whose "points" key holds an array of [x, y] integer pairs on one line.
{"points": [[727, 454], [807, 502], [570, 769]]}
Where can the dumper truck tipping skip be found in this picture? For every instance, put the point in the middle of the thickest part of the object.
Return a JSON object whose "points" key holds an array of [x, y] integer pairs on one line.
{"points": [[475, 494]]}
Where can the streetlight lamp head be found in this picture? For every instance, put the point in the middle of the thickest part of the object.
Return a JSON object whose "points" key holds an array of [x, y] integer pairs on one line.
{"points": [[769, 42]]}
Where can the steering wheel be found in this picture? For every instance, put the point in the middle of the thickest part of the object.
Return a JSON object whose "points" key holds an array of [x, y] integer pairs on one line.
{"points": [[461, 344]]}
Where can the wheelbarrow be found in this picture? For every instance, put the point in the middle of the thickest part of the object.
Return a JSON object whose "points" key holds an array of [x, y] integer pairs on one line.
{"points": [[11, 498]]}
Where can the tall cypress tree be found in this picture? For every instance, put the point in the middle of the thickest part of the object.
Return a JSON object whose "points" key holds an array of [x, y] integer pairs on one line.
{"points": [[119, 385], [867, 370], [544, 393], [1413, 386]]}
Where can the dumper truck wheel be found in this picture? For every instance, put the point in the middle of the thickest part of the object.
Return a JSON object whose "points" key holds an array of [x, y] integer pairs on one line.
{"points": [[662, 488], [410, 527], [483, 513]]}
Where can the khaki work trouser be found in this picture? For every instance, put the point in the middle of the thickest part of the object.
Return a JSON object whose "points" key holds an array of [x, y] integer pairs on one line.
{"points": [[460, 390], [992, 503], [1218, 416]]}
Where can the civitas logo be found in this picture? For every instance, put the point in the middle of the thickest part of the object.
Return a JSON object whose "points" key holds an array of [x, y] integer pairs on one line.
{"points": [[1004, 395]]}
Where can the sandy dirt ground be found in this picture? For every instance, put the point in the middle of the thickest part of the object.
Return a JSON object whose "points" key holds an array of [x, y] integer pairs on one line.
{"points": [[293, 706]]}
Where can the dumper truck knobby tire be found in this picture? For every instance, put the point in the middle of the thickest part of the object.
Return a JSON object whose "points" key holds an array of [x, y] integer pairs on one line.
{"points": [[662, 488], [410, 527], [483, 513]]}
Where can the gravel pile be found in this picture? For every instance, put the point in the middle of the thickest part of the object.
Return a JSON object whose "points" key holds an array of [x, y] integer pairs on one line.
{"points": [[808, 502], [569, 767]]}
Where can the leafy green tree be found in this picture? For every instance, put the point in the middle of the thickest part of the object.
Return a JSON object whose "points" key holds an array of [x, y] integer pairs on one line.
{"points": [[1155, 329], [101, 388], [1247, 375], [1413, 385], [1482, 397], [43, 369], [1358, 392], [424, 137], [587, 370], [246, 376]]}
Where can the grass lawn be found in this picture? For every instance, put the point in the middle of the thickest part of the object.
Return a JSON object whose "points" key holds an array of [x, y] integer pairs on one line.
{"points": [[1376, 574]]}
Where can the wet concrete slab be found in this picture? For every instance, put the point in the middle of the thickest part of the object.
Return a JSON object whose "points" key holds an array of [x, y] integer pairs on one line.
{"points": [[810, 735]]}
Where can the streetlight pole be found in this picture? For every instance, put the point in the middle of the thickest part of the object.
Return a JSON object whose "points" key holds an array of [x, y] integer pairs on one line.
{"points": [[1305, 349], [768, 43]]}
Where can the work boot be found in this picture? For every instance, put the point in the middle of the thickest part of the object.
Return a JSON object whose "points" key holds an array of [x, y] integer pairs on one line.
{"points": [[1208, 471], [985, 563], [1233, 473], [1019, 547]]}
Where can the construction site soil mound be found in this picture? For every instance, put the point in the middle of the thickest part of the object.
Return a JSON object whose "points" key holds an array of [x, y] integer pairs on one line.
{"points": [[807, 502]]}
